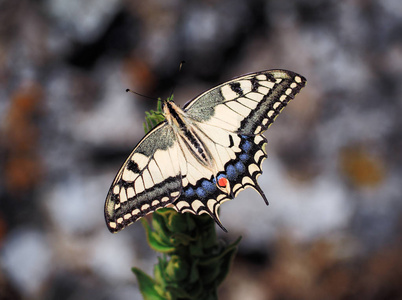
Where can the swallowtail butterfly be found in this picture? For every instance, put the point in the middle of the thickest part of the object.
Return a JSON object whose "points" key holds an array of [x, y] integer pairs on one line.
{"points": [[204, 154]]}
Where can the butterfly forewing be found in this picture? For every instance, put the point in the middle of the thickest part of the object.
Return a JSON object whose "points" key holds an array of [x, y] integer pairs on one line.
{"points": [[247, 104], [149, 179], [225, 124]]}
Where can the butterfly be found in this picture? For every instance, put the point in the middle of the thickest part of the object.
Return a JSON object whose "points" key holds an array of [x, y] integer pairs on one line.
{"points": [[203, 154]]}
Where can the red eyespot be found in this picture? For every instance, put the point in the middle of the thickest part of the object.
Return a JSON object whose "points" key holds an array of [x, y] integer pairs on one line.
{"points": [[222, 182]]}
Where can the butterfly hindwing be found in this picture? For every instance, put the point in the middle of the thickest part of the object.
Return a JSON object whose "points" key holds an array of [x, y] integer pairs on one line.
{"points": [[143, 183], [240, 170]]}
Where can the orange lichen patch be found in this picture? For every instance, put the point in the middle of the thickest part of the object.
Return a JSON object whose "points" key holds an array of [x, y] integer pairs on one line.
{"points": [[3, 229], [361, 167], [22, 172], [20, 128], [22, 163]]}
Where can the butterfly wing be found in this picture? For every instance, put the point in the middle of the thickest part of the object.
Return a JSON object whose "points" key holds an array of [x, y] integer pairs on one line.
{"points": [[238, 161], [149, 179], [247, 104], [231, 119]]}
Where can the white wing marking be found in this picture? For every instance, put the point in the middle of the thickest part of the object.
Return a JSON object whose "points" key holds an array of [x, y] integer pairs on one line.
{"points": [[222, 123], [174, 156], [197, 204], [228, 93], [251, 104], [245, 85], [261, 77], [224, 112], [146, 176], [264, 90], [218, 135], [140, 159], [253, 168], [116, 189], [255, 96], [155, 171], [268, 84], [138, 185], [182, 204], [130, 192], [238, 108], [123, 196], [129, 175]]}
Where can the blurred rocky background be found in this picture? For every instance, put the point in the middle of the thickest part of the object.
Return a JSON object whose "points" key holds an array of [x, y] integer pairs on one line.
{"points": [[333, 174]]}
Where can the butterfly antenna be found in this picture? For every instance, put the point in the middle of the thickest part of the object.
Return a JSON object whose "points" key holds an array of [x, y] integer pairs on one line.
{"points": [[180, 70], [138, 94]]}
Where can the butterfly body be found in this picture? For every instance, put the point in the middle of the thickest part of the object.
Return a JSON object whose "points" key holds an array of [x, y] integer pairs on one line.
{"points": [[186, 130], [204, 154]]}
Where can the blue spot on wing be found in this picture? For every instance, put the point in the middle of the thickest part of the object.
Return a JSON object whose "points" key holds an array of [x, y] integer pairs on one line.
{"points": [[243, 157], [189, 192], [208, 186], [240, 167], [201, 192], [234, 171], [221, 176], [246, 146], [231, 172]]}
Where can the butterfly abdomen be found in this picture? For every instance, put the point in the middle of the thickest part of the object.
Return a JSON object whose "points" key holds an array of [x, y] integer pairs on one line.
{"points": [[185, 130]]}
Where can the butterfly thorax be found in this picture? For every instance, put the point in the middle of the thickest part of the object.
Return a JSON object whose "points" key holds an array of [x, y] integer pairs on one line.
{"points": [[185, 130]]}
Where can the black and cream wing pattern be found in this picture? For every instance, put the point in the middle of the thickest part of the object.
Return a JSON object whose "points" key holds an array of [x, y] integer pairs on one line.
{"points": [[204, 154]]}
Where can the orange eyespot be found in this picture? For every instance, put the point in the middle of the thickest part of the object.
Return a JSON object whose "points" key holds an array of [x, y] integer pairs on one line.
{"points": [[222, 182]]}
